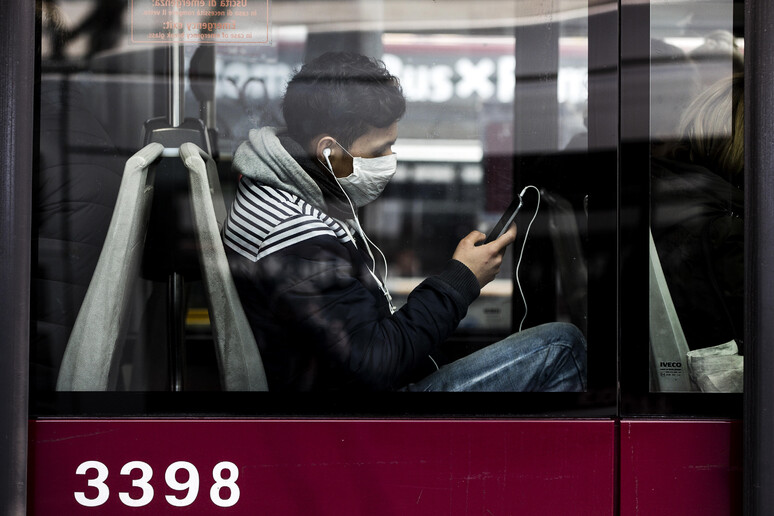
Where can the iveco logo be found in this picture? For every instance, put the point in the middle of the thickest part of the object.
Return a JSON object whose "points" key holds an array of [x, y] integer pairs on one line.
{"points": [[671, 364]]}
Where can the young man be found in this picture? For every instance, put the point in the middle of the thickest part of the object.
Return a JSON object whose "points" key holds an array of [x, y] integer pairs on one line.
{"points": [[307, 274]]}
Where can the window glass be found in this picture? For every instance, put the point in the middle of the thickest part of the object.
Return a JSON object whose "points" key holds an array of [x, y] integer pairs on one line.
{"points": [[697, 201], [497, 104]]}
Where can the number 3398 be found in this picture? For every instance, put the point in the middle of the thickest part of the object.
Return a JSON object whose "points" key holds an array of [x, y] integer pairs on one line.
{"points": [[189, 489]]}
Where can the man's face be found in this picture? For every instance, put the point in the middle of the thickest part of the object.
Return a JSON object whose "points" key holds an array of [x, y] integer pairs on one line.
{"points": [[373, 144]]}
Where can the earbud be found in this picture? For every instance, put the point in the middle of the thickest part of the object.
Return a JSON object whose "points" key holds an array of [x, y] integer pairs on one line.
{"points": [[326, 153]]}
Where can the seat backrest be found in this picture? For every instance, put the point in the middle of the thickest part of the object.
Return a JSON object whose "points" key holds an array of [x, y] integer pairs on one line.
{"points": [[570, 259], [668, 347], [93, 351], [239, 361], [94, 348]]}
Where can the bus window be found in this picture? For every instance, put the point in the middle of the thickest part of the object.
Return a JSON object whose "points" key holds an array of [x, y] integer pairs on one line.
{"points": [[697, 201], [495, 108]]}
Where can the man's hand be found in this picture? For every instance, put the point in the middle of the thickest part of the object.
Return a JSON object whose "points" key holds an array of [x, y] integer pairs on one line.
{"points": [[484, 260]]}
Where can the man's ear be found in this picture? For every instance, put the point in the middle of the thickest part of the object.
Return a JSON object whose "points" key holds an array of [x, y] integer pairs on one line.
{"points": [[325, 145]]}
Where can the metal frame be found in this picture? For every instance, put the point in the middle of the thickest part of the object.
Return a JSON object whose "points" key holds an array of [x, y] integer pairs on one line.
{"points": [[17, 101], [759, 247]]}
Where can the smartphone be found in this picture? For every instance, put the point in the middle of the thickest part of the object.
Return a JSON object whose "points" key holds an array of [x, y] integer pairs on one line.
{"points": [[505, 221]]}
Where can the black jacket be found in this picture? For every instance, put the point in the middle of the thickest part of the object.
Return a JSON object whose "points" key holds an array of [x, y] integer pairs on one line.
{"points": [[698, 228]]}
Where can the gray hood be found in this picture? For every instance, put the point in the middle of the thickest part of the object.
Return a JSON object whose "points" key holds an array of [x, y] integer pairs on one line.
{"points": [[263, 158]]}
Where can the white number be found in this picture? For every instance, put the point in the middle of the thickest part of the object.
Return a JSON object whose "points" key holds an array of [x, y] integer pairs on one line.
{"points": [[220, 482], [192, 484], [142, 483], [102, 490]]}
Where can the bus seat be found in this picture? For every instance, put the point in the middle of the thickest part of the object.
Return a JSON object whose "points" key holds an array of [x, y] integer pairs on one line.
{"points": [[570, 260], [93, 349], [239, 361], [668, 347]]}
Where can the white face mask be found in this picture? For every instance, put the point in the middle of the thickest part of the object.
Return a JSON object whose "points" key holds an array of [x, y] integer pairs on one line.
{"points": [[369, 177]]}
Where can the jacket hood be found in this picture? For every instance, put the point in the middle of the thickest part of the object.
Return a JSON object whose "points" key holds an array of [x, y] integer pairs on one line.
{"points": [[264, 159]]}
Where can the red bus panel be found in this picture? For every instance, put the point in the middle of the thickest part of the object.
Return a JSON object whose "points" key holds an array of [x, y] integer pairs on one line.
{"points": [[681, 467], [322, 467]]}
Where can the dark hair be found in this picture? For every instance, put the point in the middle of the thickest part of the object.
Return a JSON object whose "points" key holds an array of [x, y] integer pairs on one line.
{"points": [[342, 94]]}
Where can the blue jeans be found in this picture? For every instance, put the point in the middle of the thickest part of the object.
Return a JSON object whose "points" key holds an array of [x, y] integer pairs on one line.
{"points": [[546, 358]]}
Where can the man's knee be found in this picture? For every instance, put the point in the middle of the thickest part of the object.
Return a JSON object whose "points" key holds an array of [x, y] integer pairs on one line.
{"points": [[570, 334], [564, 334], [573, 341]]}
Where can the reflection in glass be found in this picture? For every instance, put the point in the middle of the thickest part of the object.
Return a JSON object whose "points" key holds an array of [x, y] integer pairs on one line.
{"points": [[697, 204]]}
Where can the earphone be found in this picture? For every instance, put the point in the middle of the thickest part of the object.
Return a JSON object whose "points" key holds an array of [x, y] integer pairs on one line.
{"points": [[521, 253], [326, 154], [382, 283]]}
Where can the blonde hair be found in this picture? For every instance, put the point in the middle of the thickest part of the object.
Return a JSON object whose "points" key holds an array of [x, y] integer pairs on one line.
{"points": [[53, 16], [713, 128]]}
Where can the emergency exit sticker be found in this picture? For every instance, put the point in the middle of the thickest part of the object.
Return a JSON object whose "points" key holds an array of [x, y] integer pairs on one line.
{"points": [[200, 21]]}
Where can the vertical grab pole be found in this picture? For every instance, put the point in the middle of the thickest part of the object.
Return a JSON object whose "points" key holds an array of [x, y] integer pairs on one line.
{"points": [[175, 283], [176, 331], [17, 67], [176, 104], [759, 249]]}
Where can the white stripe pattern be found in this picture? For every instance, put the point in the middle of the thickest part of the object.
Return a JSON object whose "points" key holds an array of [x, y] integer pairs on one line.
{"points": [[264, 220]]}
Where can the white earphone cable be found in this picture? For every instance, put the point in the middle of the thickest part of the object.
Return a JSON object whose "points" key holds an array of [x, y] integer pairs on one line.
{"points": [[382, 283], [521, 253]]}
